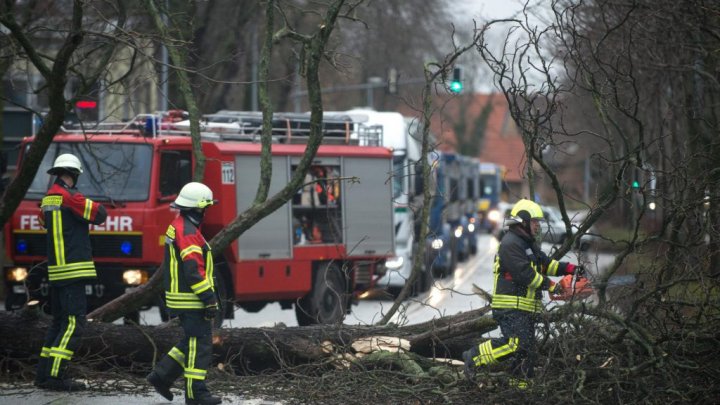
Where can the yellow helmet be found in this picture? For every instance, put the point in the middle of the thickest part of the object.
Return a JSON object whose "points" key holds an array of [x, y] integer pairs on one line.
{"points": [[525, 210]]}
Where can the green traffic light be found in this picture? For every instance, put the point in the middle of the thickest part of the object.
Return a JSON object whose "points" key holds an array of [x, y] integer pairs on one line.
{"points": [[635, 184], [456, 87]]}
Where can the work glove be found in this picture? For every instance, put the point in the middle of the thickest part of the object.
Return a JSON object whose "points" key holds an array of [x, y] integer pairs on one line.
{"points": [[575, 269], [555, 288], [211, 311]]}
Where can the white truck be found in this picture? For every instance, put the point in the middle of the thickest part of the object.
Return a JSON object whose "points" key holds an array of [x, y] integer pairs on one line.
{"points": [[401, 135]]}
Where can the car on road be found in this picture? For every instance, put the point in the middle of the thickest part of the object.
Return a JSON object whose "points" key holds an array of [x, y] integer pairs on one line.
{"points": [[554, 230]]}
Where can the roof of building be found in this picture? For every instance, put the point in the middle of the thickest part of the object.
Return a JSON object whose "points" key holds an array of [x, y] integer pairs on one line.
{"points": [[502, 144]]}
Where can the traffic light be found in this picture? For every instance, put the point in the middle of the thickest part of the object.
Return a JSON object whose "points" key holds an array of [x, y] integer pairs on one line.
{"points": [[635, 185], [456, 84]]}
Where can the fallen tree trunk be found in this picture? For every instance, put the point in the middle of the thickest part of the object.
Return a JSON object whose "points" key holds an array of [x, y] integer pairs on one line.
{"points": [[248, 350]]}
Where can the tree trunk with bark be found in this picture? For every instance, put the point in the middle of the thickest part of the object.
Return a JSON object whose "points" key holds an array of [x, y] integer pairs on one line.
{"points": [[247, 350]]}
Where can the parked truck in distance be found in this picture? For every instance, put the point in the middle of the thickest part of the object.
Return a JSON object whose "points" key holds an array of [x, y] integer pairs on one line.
{"points": [[441, 251], [490, 214], [325, 246], [470, 191], [400, 135]]}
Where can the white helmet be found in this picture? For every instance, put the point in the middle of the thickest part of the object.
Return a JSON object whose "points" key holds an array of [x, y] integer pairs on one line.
{"points": [[66, 162], [194, 195]]}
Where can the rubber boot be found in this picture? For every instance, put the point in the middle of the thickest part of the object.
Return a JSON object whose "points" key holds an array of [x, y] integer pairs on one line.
{"points": [[166, 371], [59, 384], [203, 399], [41, 373], [201, 394], [161, 386]]}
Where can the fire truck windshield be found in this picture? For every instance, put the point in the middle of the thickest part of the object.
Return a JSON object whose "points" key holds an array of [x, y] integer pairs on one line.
{"points": [[111, 171]]}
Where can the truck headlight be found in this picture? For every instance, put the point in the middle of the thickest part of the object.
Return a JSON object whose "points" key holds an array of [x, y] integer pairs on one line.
{"points": [[17, 274], [394, 263], [471, 228], [436, 244], [458, 231], [135, 277], [494, 216]]}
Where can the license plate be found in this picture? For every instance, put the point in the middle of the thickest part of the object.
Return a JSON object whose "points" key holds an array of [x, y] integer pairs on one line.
{"points": [[19, 289], [88, 290]]}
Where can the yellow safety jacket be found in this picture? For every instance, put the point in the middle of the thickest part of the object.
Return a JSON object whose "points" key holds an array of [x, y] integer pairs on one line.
{"points": [[67, 215], [521, 273], [188, 267]]}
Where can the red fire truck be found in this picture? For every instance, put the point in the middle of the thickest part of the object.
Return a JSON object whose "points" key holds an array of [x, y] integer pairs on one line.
{"points": [[315, 253]]}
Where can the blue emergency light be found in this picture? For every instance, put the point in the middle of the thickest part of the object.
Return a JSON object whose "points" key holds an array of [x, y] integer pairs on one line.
{"points": [[126, 247]]}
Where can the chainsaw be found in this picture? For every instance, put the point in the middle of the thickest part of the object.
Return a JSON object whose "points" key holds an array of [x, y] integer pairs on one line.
{"points": [[573, 287]]}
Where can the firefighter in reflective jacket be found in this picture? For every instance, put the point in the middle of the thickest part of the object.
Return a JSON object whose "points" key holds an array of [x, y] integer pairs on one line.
{"points": [[189, 294], [521, 274], [67, 215]]}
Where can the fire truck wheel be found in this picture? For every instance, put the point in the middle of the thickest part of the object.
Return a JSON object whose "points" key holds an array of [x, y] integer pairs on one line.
{"points": [[326, 302]]}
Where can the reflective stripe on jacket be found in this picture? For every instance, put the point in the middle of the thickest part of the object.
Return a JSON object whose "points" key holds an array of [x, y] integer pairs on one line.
{"points": [[67, 215], [521, 271], [188, 266]]}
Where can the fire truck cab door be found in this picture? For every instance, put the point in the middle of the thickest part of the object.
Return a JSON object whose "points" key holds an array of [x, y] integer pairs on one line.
{"points": [[271, 237]]}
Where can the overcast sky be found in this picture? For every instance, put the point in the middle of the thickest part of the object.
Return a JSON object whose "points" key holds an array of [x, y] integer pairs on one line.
{"points": [[485, 10], [490, 9]]}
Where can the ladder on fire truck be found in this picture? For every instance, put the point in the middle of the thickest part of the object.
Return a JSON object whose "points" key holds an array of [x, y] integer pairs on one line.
{"points": [[288, 128]]}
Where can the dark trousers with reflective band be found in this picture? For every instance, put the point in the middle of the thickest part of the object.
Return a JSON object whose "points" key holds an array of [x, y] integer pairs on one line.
{"points": [[69, 307], [191, 357], [517, 343]]}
